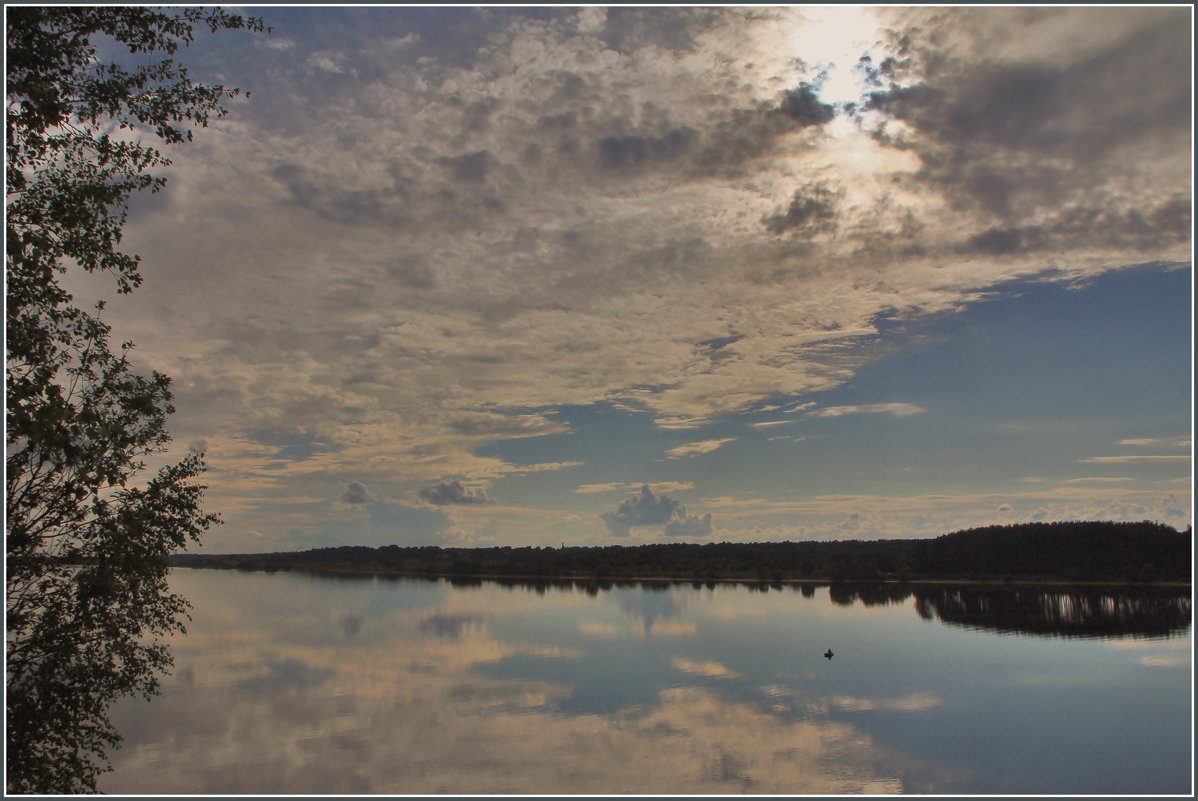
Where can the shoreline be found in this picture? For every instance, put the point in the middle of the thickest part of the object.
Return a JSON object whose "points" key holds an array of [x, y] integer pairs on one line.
{"points": [[341, 570]]}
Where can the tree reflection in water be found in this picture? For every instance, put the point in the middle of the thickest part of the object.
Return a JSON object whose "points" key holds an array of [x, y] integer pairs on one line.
{"points": [[1030, 611], [1034, 611]]}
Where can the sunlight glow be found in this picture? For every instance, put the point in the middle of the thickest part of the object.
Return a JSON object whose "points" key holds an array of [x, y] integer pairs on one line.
{"points": [[833, 38]]}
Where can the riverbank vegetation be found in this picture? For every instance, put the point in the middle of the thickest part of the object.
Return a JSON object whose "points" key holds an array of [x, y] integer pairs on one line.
{"points": [[1072, 552]]}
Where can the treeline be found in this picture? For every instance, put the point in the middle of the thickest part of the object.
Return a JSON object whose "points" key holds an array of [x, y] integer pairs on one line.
{"points": [[1072, 551]]}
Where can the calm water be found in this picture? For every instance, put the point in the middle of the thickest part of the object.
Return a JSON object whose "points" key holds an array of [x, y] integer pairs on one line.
{"points": [[298, 684]]}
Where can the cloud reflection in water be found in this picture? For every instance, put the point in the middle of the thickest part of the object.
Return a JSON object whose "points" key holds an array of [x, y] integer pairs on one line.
{"points": [[267, 701]]}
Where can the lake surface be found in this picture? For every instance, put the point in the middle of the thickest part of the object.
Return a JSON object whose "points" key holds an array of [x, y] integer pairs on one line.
{"points": [[301, 684]]}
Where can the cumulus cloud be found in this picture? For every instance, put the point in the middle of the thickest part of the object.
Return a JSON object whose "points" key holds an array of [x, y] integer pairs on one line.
{"points": [[453, 492], [858, 524], [357, 492], [643, 509], [647, 508], [689, 526]]}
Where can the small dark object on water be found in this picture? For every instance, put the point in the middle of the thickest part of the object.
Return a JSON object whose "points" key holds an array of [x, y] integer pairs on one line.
{"points": [[828, 654]]}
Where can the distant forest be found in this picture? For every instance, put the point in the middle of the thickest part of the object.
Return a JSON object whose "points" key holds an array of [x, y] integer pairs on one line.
{"points": [[1073, 552]]}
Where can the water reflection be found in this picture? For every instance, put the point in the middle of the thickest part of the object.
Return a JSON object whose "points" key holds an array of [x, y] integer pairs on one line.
{"points": [[869, 594], [1091, 613], [1107, 612], [296, 684], [270, 702]]}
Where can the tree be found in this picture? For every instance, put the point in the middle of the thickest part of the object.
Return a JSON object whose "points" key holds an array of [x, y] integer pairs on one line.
{"points": [[86, 535]]}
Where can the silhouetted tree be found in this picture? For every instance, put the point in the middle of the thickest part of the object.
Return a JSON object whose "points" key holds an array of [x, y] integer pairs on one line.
{"points": [[86, 546]]}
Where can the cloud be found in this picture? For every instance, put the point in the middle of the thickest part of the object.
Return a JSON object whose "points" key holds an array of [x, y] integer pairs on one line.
{"points": [[540, 467], [330, 62], [357, 492], [812, 210], [1179, 442], [644, 509], [468, 168], [631, 152], [698, 448], [655, 486], [679, 423], [515, 213], [275, 43], [1164, 661], [1039, 135], [496, 424], [802, 104], [704, 667], [1134, 459], [450, 626], [689, 526], [895, 409], [452, 492], [916, 702], [648, 508], [588, 489]]}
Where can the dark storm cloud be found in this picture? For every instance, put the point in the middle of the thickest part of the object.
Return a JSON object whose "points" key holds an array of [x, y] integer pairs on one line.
{"points": [[357, 492], [452, 492], [647, 508]]}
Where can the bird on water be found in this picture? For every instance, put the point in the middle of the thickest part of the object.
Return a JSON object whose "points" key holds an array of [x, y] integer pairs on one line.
{"points": [[828, 654]]}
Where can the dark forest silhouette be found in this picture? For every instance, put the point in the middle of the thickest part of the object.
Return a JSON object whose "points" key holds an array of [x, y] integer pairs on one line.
{"points": [[1073, 552]]}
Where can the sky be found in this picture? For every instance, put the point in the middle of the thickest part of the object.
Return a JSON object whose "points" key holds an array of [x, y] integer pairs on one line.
{"points": [[586, 275]]}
